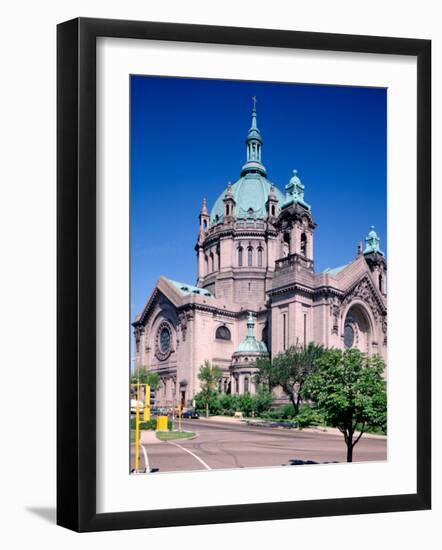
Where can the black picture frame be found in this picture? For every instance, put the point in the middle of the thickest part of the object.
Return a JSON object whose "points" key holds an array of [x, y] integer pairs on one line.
{"points": [[76, 274]]}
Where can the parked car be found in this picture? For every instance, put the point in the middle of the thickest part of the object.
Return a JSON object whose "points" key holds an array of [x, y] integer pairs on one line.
{"points": [[133, 406], [190, 413]]}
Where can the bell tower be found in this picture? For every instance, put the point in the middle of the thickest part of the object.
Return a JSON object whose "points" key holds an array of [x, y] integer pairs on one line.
{"points": [[376, 260], [296, 226]]}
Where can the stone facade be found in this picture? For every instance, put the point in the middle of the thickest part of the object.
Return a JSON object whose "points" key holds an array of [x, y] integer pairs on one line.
{"points": [[257, 292]]}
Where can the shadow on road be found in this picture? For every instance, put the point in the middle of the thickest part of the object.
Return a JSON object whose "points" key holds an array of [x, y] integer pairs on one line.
{"points": [[299, 462]]}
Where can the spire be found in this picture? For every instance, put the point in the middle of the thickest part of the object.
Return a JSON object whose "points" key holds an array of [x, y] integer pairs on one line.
{"points": [[253, 146], [204, 218], [372, 242], [204, 210]]}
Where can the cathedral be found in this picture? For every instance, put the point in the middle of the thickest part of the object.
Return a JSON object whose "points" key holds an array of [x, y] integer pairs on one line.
{"points": [[257, 292]]}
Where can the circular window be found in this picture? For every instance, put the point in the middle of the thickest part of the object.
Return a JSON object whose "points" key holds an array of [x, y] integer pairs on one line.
{"points": [[349, 336], [165, 340]]}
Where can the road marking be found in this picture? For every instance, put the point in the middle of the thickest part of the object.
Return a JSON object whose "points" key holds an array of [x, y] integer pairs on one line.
{"points": [[193, 454], [146, 459]]}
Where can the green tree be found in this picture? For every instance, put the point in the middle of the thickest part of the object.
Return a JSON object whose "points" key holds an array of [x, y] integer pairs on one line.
{"points": [[209, 376], [291, 369], [350, 391], [146, 376], [266, 377]]}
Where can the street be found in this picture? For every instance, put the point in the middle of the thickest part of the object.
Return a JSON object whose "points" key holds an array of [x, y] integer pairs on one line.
{"points": [[221, 445]]}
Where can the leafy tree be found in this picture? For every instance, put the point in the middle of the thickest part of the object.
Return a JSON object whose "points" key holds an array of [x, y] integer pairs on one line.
{"points": [[266, 376], [349, 389], [145, 376], [209, 376], [291, 368]]}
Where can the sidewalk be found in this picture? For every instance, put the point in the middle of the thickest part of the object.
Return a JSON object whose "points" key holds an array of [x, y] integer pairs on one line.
{"points": [[148, 437], [321, 429]]}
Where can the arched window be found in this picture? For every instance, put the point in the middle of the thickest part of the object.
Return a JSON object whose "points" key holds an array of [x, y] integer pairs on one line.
{"points": [[212, 262], [349, 336], [223, 333], [286, 244], [227, 210], [249, 256], [206, 261], [205, 224], [273, 209], [246, 385], [260, 256], [381, 282], [265, 334], [218, 259], [240, 256], [303, 244]]}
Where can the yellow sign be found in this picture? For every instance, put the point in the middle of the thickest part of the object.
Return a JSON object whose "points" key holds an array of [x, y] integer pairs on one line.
{"points": [[162, 423]]}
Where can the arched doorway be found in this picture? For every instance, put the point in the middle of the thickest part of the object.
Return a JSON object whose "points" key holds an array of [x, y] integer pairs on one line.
{"points": [[357, 331]]}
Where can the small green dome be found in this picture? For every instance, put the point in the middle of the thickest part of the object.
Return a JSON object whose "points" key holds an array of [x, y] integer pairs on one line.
{"points": [[250, 344], [250, 193]]}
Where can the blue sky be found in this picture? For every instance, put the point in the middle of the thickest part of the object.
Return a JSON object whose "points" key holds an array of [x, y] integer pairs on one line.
{"points": [[187, 142]]}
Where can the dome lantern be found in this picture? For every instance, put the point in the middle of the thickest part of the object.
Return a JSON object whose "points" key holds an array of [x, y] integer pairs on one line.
{"points": [[372, 242], [253, 147]]}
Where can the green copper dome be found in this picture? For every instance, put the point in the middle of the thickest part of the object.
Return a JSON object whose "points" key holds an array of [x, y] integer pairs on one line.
{"points": [[251, 191], [250, 344]]}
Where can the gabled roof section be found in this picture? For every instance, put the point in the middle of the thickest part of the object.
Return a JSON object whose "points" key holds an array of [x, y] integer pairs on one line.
{"points": [[177, 293], [186, 289], [334, 271]]}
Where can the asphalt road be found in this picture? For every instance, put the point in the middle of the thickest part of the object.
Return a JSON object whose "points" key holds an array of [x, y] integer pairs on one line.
{"points": [[230, 445]]}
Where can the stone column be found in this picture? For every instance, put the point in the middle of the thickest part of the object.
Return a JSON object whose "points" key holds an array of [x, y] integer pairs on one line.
{"points": [[200, 254], [241, 383], [309, 245], [293, 240]]}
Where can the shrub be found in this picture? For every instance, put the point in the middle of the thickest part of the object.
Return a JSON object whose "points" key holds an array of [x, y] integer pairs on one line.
{"points": [[229, 404], [245, 403], [150, 425], [309, 416], [285, 412], [262, 401], [214, 403]]}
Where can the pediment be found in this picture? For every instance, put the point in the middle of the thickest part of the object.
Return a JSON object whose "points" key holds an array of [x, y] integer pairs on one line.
{"points": [[365, 290]]}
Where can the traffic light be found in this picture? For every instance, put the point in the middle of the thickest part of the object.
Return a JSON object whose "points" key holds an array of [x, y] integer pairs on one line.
{"points": [[146, 415], [152, 397]]}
